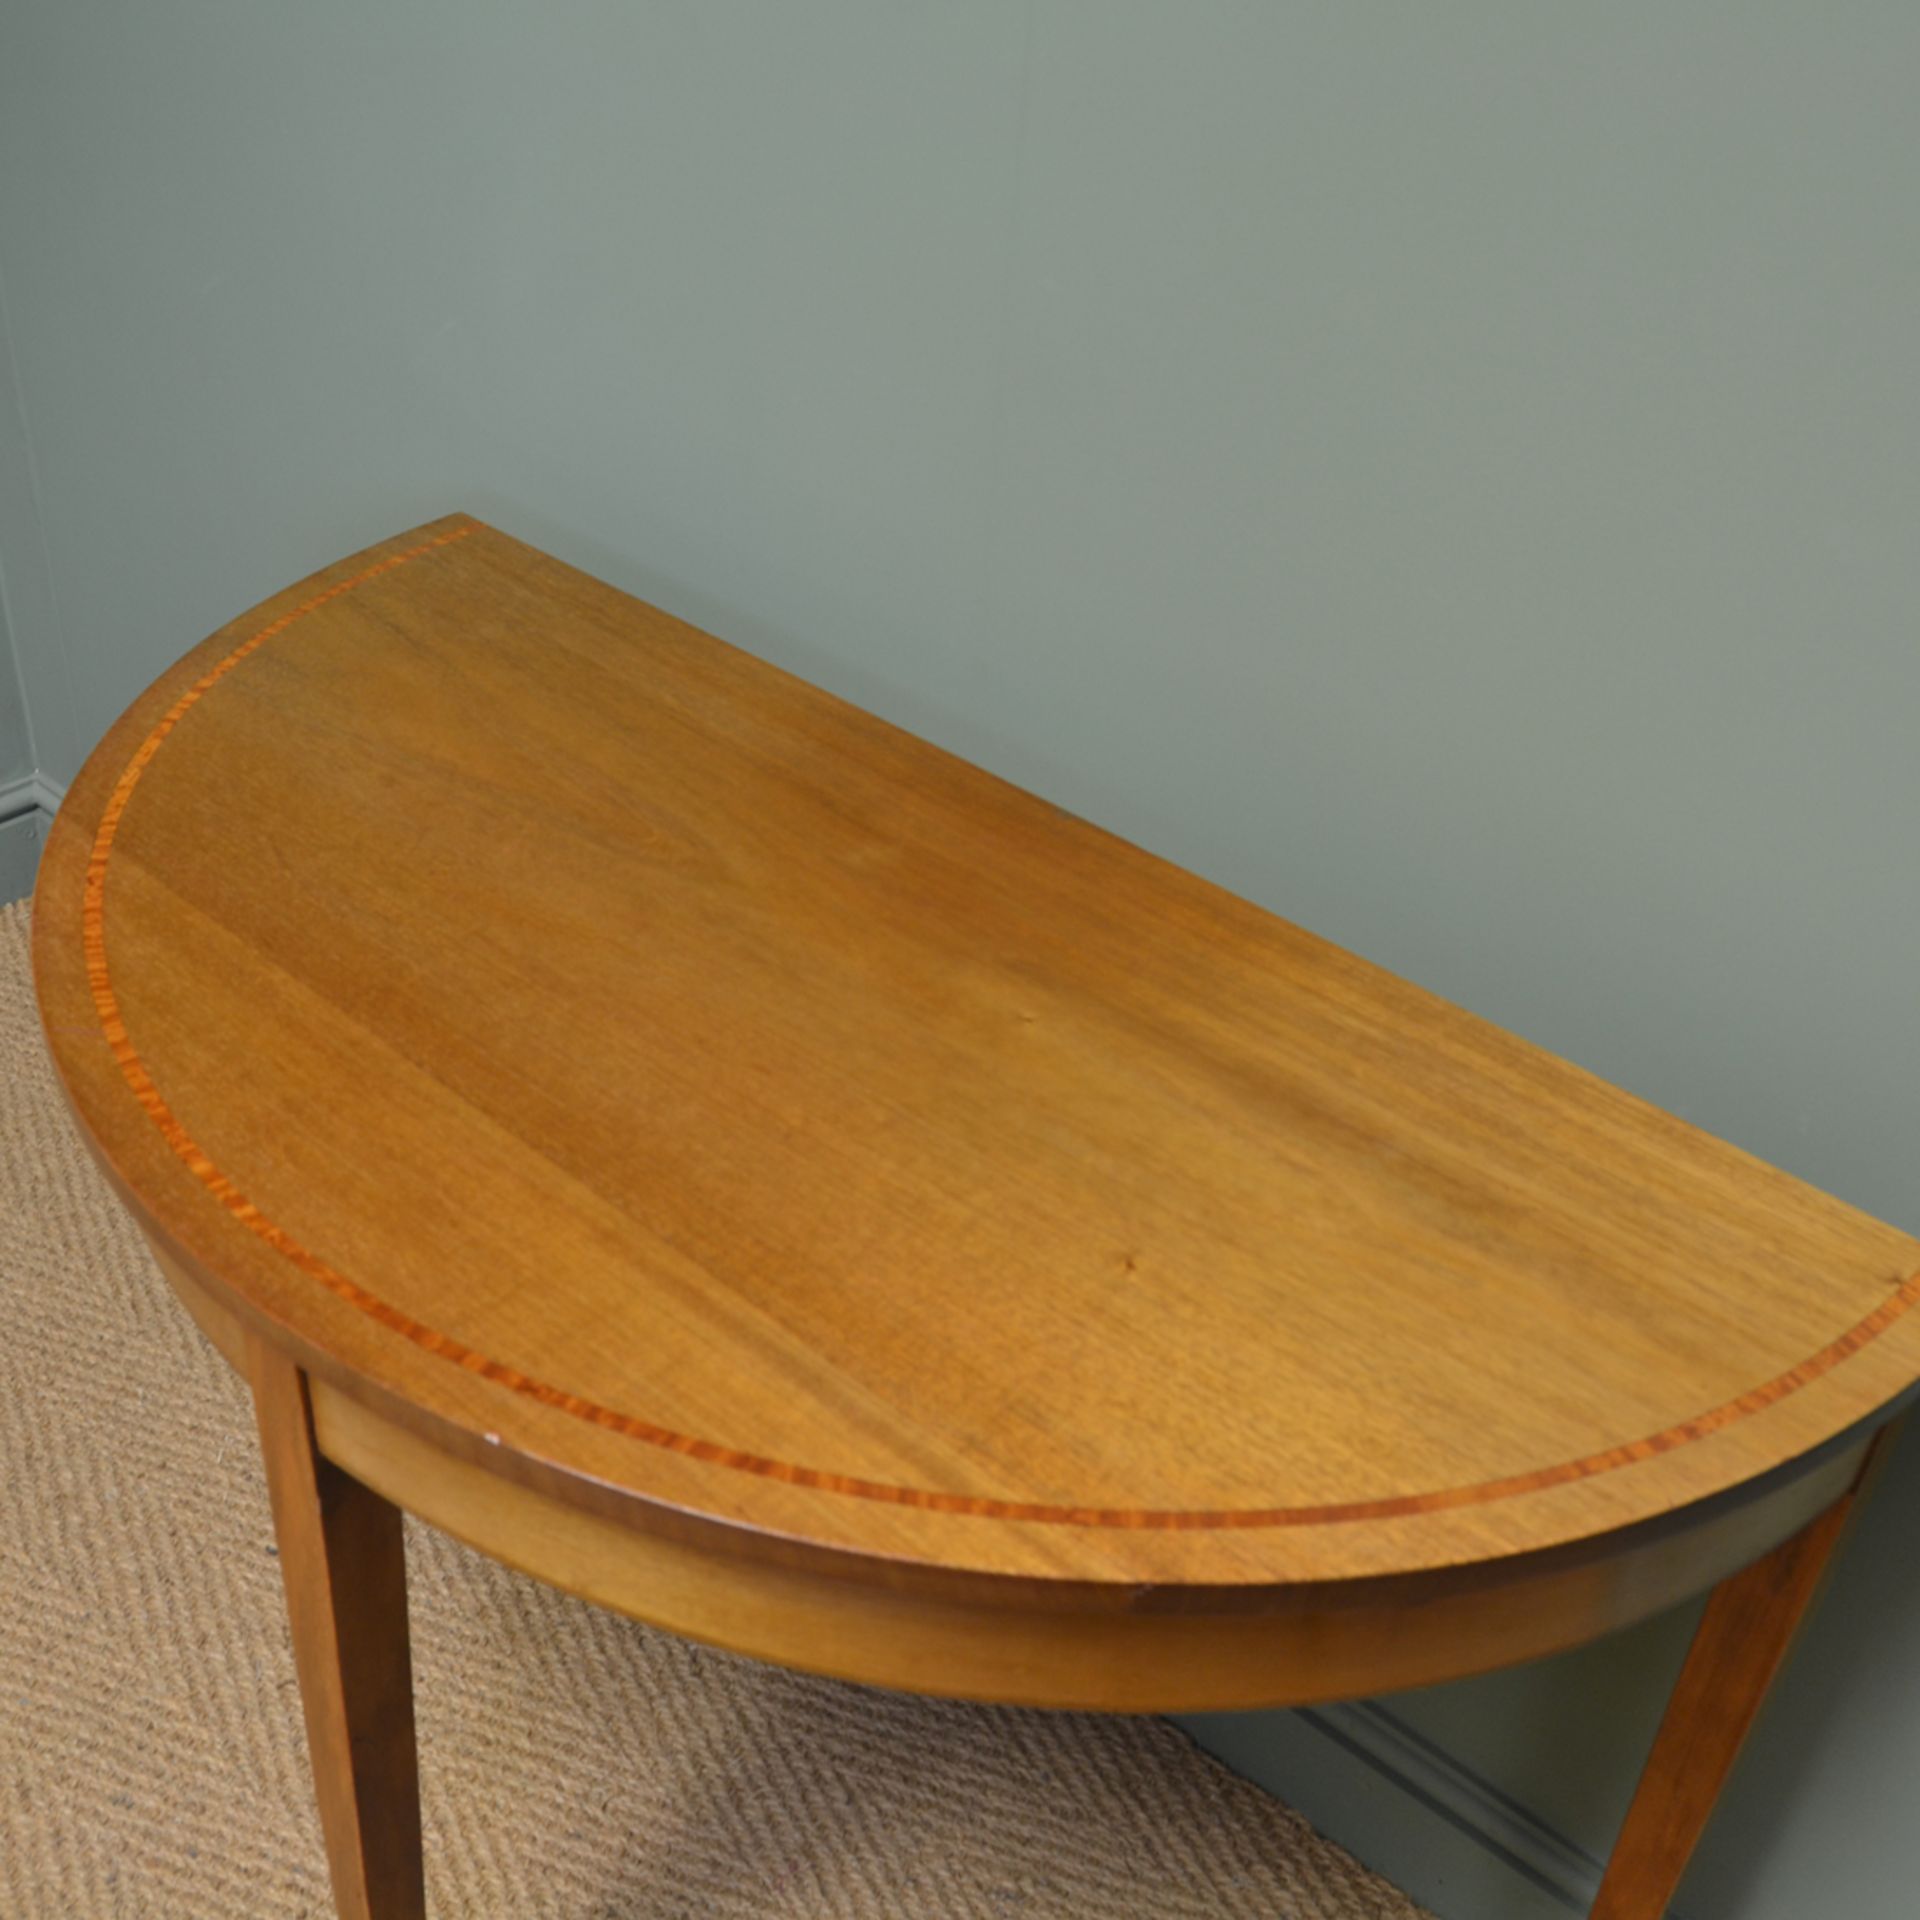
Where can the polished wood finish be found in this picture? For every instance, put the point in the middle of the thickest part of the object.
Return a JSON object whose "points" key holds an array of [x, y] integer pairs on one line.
{"points": [[343, 1561], [737, 1161], [1743, 1638], [1321, 1645], [738, 1113]]}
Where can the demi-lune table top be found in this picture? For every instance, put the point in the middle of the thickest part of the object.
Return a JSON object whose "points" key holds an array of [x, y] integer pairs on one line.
{"points": [[717, 1105]]}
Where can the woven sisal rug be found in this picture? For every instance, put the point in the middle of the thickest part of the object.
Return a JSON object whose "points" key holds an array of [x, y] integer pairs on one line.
{"points": [[152, 1763]]}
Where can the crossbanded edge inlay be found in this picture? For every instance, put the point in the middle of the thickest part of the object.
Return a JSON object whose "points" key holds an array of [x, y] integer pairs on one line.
{"points": [[228, 1194]]}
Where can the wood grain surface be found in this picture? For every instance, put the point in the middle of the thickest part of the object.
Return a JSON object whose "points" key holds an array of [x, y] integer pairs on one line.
{"points": [[1064, 1645], [695, 1099], [343, 1560], [1742, 1641]]}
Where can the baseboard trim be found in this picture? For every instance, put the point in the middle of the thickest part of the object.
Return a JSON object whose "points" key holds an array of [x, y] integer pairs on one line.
{"points": [[1564, 1871], [31, 793], [1540, 1854], [1407, 1807], [48, 794], [27, 807]]}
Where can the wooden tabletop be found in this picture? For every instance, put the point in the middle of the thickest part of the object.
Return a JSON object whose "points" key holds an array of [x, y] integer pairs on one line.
{"points": [[713, 1104]]}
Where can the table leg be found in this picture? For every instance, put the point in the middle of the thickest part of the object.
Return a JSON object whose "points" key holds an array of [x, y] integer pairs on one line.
{"points": [[1742, 1639], [343, 1561]]}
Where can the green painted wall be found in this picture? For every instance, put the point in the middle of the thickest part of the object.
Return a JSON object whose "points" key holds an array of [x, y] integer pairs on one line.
{"points": [[16, 738], [1448, 472], [16, 747], [37, 725]]}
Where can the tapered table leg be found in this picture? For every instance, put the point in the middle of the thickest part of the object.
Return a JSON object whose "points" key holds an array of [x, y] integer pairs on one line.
{"points": [[343, 1561], [1743, 1637]]}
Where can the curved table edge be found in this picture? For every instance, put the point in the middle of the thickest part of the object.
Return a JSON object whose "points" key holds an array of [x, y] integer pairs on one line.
{"points": [[1016, 1641]]}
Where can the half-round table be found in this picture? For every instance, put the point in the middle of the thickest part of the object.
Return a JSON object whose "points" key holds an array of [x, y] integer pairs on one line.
{"points": [[744, 1165]]}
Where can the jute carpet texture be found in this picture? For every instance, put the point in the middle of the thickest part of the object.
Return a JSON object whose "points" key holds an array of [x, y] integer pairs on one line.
{"points": [[576, 1765]]}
